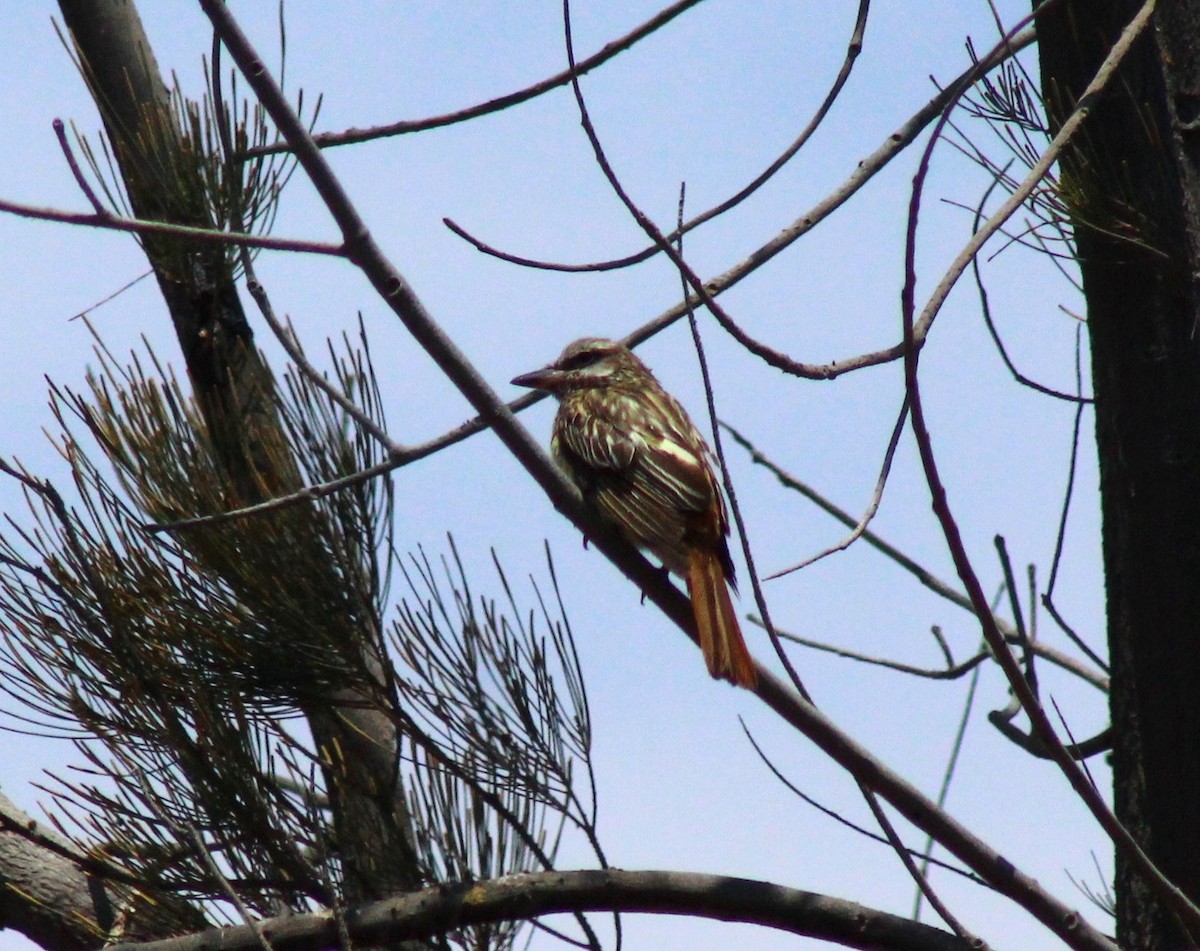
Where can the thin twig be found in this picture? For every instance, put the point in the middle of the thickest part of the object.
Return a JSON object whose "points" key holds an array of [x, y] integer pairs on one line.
{"points": [[1060, 537], [853, 48], [115, 294], [876, 498], [230, 892], [607, 52], [953, 670], [1023, 636], [60, 132], [1036, 173], [947, 777], [111, 222], [986, 312], [1087, 792], [842, 820], [1102, 742], [907, 799], [398, 457], [918, 876], [307, 494], [772, 357], [288, 341]]}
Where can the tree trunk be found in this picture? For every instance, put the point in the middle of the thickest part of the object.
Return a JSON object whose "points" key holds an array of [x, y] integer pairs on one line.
{"points": [[1131, 184], [236, 391]]}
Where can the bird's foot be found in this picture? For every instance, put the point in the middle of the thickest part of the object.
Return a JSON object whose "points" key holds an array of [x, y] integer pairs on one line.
{"points": [[666, 575]]}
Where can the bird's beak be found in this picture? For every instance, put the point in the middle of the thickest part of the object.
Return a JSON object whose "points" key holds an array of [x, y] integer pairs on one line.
{"points": [[546, 378]]}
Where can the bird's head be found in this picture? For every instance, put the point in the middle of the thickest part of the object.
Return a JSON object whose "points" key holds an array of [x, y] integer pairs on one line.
{"points": [[586, 364]]}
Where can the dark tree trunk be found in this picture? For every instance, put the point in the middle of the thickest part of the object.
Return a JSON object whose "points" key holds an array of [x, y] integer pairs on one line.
{"points": [[1131, 183], [236, 391]]}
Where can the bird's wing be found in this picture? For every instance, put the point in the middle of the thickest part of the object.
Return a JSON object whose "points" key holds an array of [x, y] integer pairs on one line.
{"points": [[638, 440], [597, 439], [671, 472], [638, 469]]}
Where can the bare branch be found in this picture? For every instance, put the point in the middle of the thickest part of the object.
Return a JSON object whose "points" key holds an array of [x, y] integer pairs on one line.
{"points": [[436, 910], [111, 222], [908, 800], [853, 48], [307, 494], [607, 52], [1087, 792], [842, 820], [1102, 742], [986, 311], [947, 777], [918, 571], [876, 498], [1061, 535], [917, 874], [952, 670]]}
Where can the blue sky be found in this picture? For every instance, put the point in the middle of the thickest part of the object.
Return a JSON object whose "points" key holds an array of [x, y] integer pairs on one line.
{"points": [[710, 100]]}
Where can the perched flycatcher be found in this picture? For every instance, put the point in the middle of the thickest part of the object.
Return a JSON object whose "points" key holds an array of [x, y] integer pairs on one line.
{"points": [[637, 457]]}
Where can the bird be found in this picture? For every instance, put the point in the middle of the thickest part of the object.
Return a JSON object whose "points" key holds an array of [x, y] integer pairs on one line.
{"points": [[641, 463]]}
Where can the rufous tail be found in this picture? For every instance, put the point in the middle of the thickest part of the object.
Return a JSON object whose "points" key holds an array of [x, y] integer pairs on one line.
{"points": [[716, 622]]}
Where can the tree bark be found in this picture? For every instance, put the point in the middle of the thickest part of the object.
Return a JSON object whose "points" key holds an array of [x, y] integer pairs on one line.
{"points": [[531, 895], [1131, 185], [235, 389], [48, 894]]}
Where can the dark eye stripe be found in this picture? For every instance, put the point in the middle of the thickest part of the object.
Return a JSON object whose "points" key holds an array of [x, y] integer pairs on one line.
{"points": [[585, 358]]}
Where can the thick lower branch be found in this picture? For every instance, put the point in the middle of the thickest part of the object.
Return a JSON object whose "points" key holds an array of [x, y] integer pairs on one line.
{"points": [[436, 911], [48, 895]]}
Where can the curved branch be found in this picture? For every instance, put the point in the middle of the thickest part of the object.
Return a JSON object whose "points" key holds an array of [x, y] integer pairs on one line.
{"points": [[985, 309], [859, 529], [437, 910], [607, 52], [396, 292], [1102, 742], [853, 48], [1081, 783], [952, 670]]}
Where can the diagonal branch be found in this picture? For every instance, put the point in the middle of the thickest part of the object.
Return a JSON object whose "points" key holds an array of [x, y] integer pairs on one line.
{"points": [[366, 254], [853, 48], [1040, 722], [938, 586], [607, 52]]}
